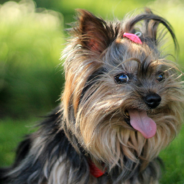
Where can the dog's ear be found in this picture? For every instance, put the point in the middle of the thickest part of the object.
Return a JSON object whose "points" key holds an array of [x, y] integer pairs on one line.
{"points": [[151, 26], [94, 33]]}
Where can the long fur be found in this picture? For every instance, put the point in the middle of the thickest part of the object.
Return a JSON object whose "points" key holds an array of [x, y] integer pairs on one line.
{"points": [[90, 122]]}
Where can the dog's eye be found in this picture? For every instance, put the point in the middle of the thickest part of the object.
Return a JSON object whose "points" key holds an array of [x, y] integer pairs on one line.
{"points": [[160, 77], [121, 78]]}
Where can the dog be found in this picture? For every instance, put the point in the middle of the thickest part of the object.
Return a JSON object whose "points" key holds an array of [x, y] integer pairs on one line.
{"points": [[122, 104]]}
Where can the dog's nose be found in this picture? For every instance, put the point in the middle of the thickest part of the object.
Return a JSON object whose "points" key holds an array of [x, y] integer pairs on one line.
{"points": [[152, 100]]}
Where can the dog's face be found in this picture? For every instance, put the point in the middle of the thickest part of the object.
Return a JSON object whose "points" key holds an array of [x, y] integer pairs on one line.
{"points": [[121, 99]]}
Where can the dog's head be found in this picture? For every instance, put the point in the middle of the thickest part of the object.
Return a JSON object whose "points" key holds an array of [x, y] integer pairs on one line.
{"points": [[122, 97]]}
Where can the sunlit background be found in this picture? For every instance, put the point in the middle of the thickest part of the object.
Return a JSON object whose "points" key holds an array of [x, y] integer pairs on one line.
{"points": [[32, 36]]}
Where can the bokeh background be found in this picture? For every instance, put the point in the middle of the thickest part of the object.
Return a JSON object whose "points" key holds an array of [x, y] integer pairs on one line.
{"points": [[32, 36]]}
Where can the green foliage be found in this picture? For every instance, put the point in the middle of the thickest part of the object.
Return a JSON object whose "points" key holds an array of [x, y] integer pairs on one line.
{"points": [[31, 41], [30, 44]]}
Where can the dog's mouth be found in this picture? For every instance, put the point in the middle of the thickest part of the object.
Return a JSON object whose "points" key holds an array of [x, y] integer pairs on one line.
{"points": [[139, 120], [127, 118]]}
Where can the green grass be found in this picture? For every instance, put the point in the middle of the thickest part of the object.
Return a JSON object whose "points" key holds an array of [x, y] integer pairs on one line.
{"points": [[173, 157], [12, 132]]}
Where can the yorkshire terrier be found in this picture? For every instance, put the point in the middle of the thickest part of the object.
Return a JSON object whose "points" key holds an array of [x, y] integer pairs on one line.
{"points": [[121, 105]]}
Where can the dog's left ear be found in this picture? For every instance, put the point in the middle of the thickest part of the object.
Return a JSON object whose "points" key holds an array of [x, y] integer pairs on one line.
{"points": [[94, 33], [151, 26]]}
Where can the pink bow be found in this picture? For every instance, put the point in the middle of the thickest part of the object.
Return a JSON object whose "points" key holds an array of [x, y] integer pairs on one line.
{"points": [[132, 37]]}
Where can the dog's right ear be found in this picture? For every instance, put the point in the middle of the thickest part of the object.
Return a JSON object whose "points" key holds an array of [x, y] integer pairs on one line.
{"points": [[94, 33]]}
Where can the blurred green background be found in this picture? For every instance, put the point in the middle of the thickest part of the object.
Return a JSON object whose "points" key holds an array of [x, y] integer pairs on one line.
{"points": [[32, 36]]}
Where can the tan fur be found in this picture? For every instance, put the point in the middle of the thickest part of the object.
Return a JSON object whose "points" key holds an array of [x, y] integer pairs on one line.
{"points": [[98, 121]]}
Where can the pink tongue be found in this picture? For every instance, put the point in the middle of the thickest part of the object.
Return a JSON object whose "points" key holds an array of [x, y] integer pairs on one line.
{"points": [[141, 122]]}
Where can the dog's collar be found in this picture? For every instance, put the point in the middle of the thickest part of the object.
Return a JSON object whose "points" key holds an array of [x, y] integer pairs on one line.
{"points": [[94, 170]]}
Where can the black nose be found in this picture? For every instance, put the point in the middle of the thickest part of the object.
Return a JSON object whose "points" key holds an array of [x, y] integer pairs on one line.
{"points": [[152, 100]]}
